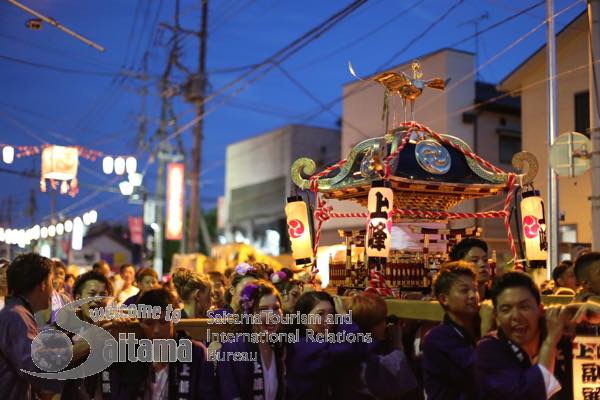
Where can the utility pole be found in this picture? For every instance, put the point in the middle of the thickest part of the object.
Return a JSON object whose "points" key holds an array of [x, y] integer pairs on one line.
{"points": [[141, 137], [198, 91], [476, 21], [553, 219], [594, 85]]}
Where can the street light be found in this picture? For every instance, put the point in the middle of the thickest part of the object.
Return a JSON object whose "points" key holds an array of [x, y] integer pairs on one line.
{"points": [[131, 165], [136, 179], [8, 154], [126, 188], [108, 165], [119, 165], [93, 216]]}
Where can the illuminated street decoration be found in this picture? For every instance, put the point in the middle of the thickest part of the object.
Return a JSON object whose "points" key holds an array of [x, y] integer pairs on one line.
{"points": [[299, 230], [175, 201], [59, 163], [24, 237], [8, 154]]}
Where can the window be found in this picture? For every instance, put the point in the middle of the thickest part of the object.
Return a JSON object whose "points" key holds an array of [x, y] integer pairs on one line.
{"points": [[582, 112], [567, 233], [508, 146]]}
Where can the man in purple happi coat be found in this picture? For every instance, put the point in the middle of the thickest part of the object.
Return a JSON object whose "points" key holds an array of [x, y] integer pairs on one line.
{"points": [[449, 348], [517, 362], [29, 279]]}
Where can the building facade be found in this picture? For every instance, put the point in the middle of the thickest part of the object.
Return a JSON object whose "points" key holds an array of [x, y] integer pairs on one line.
{"points": [[257, 182], [529, 81]]}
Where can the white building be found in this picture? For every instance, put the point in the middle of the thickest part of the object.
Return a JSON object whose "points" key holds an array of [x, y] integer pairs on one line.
{"points": [[257, 182], [528, 81]]}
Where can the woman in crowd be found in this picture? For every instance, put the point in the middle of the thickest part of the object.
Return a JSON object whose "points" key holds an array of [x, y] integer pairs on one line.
{"points": [[59, 296], [219, 287], [314, 368], [194, 290], [264, 376], [244, 274], [289, 288]]}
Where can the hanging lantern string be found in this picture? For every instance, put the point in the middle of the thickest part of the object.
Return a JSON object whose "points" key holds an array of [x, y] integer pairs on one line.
{"points": [[26, 151]]}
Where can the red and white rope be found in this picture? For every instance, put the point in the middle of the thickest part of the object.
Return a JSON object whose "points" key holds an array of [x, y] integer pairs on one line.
{"points": [[507, 202]]}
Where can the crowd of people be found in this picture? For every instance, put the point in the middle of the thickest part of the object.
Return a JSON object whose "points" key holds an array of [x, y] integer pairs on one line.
{"points": [[496, 341]]}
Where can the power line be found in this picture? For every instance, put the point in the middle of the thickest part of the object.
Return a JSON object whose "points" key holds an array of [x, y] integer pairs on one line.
{"points": [[362, 86], [57, 68], [356, 41], [455, 84], [92, 61], [109, 99], [499, 23], [270, 62], [232, 14]]}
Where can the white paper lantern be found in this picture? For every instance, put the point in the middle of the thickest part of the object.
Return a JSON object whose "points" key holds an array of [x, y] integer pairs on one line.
{"points": [[36, 232], [131, 165], [93, 216], [8, 154], [299, 232], [119, 165], [68, 226], [108, 165], [60, 228], [77, 235], [534, 227]]}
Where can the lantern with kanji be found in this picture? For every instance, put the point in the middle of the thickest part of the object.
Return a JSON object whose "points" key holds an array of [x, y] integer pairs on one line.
{"points": [[534, 228], [299, 232], [59, 163], [380, 204]]}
